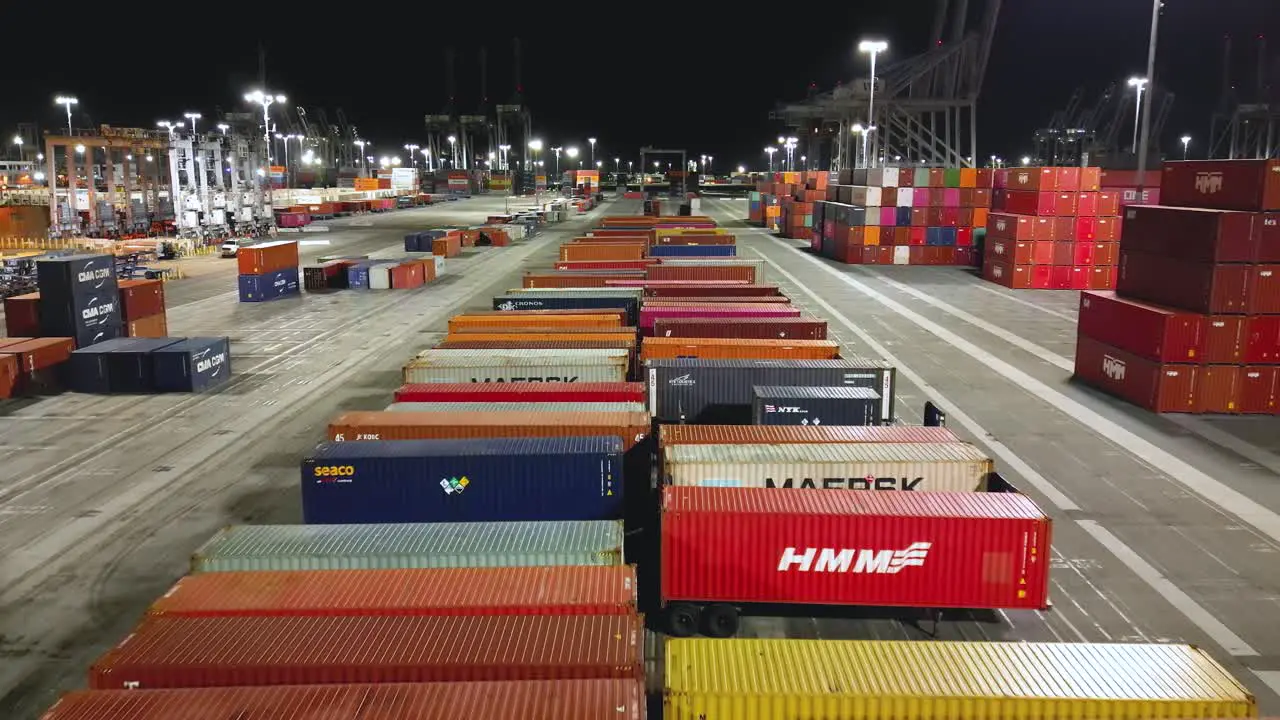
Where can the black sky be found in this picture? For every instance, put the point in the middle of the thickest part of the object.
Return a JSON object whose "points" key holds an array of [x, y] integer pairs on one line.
{"points": [[694, 77]]}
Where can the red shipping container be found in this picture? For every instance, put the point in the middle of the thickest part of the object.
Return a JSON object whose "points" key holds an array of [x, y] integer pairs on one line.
{"points": [[1261, 340], [221, 651], [522, 392], [766, 328], [1109, 228], [1021, 202], [964, 237], [1090, 179], [1259, 388], [1224, 184], [1194, 234], [1105, 253], [884, 255], [800, 434], [1080, 277], [407, 275], [965, 256], [1217, 389], [888, 549], [1017, 277], [1159, 387], [1150, 332], [1041, 253], [1100, 279], [1108, 203], [984, 177], [1065, 203], [1041, 276], [1061, 277], [652, 289], [153, 326], [916, 256], [871, 254], [141, 298], [1044, 229], [1264, 290], [22, 315], [982, 197], [518, 700], [547, 590], [1063, 253], [1084, 229], [8, 375], [1083, 254], [1029, 178], [1011, 251], [1087, 204], [1197, 287], [40, 353], [589, 265], [1064, 229], [1129, 178], [267, 257], [916, 235], [1224, 339], [1067, 178]]}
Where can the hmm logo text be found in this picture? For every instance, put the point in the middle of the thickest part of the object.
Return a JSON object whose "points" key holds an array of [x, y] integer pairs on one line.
{"points": [[1113, 368], [454, 485], [841, 560], [531, 378], [1208, 183], [334, 473]]}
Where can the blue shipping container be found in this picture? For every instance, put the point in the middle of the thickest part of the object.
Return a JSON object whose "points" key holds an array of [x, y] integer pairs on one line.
{"points": [[89, 370], [191, 364], [62, 277], [271, 286], [358, 276], [903, 216], [484, 480], [411, 242], [132, 366], [693, 251]]}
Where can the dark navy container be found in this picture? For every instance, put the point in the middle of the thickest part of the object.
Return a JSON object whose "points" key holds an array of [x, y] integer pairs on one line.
{"points": [[933, 236], [89, 369], [76, 275], [358, 276], [89, 317], [815, 405], [269, 286], [903, 216], [568, 301], [191, 364], [484, 480], [693, 251], [132, 366]]}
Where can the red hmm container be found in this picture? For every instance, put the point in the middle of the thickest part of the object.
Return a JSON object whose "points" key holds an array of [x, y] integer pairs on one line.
{"points": [[1193, 234], [1260, 389], [1224, 339], [267, 257], [551, 590], [930, 550], [522, 392], [739, 273], [1217, 389], [1261, 340], [1224, 184], [1198, 287], [1159, 387], [596, 265], [1016, 252], [1021, 202], [171, 652], [756, 328], [1150, 332], [1008, 226], [22, 315], [512, 700]]}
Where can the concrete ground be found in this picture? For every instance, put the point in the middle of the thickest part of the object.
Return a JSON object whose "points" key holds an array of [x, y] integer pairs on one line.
{"points": [[1166, 528]]}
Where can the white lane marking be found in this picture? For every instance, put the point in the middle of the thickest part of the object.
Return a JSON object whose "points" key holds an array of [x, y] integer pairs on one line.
{"points": [[1194, 611], [1271, 678], [1243, 448], [982, 285], [1190, 609]]}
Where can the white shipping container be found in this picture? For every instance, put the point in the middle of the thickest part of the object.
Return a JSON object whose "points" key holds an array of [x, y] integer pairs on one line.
{"points": [[438, 260], [865, 196], [452, 356], [940, 467], [889, 177], [380, 276], [901, 255], [463, 366], [516, 407], [905, 198]]}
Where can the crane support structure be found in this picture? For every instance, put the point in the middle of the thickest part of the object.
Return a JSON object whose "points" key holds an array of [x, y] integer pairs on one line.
{"points": [[645, 152]]}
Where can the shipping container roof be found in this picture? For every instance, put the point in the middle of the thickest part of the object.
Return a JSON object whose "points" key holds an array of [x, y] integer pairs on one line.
{"points": [[848, 363], [486, 447], [777, 501], [830, 453]]}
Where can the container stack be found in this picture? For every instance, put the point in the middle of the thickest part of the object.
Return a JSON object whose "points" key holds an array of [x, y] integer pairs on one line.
{"points": [[268, 271], [1051, 228], [142, 306], [1194, 324], [79, 298]]}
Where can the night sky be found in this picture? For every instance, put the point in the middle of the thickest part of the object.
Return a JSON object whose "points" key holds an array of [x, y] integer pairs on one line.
{"points": [[703, 79]]}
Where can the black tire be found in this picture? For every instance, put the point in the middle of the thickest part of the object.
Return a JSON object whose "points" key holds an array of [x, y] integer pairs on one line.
{"points": [[683, 620], [720, 621]]}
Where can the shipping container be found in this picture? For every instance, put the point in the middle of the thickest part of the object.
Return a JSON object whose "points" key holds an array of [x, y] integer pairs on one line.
{"points": [[1198, 287], [927, 550], [1224, 184], [1159, 387], [737, 272], [661, 348], [76, 276], [946, 680], [1259, 389], [547, 590], [36, 354], [600, 298], [465, 480], [631, 428], [781, 434], [155, 326], [714, 300], [410, 545], [87, 317], [193, 652], [522, 392], [615, 699], [949, 467], [22, 315], [495, 406], [719, 391], [1193, 234], [539, 344], [140, 298], [1225, 339], [783, 328], [267, 257], [815, 406], [649, 315], [192, 364], [269, 286], [527, 319], [454, 366], [652, 289], [1148, 331]]}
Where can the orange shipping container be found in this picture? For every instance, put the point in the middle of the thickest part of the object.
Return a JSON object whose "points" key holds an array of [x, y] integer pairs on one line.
{"points": [[602, 251], [8, 374], [447, 246], [267, 257], [609, 239], [571, 280], [153, 326], [505, 320], [630, 427], [408, 275], [40, 353], [525, 314], [739, 273], [668, 348], [554, 334]]}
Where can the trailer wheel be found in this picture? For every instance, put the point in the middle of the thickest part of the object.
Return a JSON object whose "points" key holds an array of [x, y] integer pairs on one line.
{"points": [[682, 620], [720, 621]]}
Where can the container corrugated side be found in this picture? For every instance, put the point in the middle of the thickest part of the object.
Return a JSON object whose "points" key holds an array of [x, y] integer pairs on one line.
{"points": [[951, 467], [823, 434], [548, 590], [653, 348], [462, 366], [940, 680], [411, 545], [795, 328], [194, 652], [631, 428], [502, 319], [515, 406], [522, 392], [520, 357], [510, 700]]}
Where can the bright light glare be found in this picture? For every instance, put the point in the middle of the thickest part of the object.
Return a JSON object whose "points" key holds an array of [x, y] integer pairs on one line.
{"points": [[80, 149], [535, 144], [572, 152], [872, 46]]}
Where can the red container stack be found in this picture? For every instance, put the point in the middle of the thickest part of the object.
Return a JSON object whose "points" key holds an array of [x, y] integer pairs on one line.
{"points": [[1194, 324], [142, 305], [1052, 228]]}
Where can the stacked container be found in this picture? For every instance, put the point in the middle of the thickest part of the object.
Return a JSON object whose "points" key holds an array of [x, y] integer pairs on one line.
{"points": [[1052, 228], [268, 271], [79, 298], [142, 306], [1194, 324]]}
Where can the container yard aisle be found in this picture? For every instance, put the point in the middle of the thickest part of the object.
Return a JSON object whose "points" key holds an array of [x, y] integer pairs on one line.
{"points": [[1161, 534], [105, 498]]}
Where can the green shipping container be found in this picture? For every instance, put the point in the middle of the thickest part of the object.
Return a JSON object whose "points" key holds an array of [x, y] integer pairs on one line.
{"points": [[951, 177], [414, 545], [921, 178]]}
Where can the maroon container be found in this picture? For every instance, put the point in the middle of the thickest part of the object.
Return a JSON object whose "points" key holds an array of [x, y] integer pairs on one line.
{"points": [[1262, 339], [707, 290], [1224, 339], [1259, 387], [1197, 287], [762, 328], [1264, 290], [22, 315], [1007, 226], [1028, 178], [1217, 389], [1021, 202], [1193, 234], [1159, 387], [1223, 184]]}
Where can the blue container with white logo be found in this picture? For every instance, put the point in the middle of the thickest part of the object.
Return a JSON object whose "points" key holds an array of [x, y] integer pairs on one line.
{"points": [[269, 286], [89, 369], [75, 276], [191, 364], [358, 276], [484, 480], [693, 251]]}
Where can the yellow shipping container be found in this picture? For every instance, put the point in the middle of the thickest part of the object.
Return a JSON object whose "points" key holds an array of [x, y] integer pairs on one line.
{"points": [[868, 680]]}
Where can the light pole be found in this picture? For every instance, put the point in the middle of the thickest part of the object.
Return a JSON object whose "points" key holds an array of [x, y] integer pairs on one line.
{"points": [[284, 140], [363, 167], [193, 117], [1151, 72], [535, 145], [791, 153], [1140, 84], [710, 160], [224, 128], [265, 99], [167, 126], [412, 148], [453, 151], [804, 162], [770, 151], [504, 157], [858, 130], [571, 152], [617, 166], [426, 158], [872, 48], [68, 101], [1186, 143], [592, 142], [17, 140]]}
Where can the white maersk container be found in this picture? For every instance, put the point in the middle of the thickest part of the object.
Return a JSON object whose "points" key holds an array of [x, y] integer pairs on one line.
{"points": [[630, 407], [463, 366], [439, 263], [946, 467], [380, 276]]}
